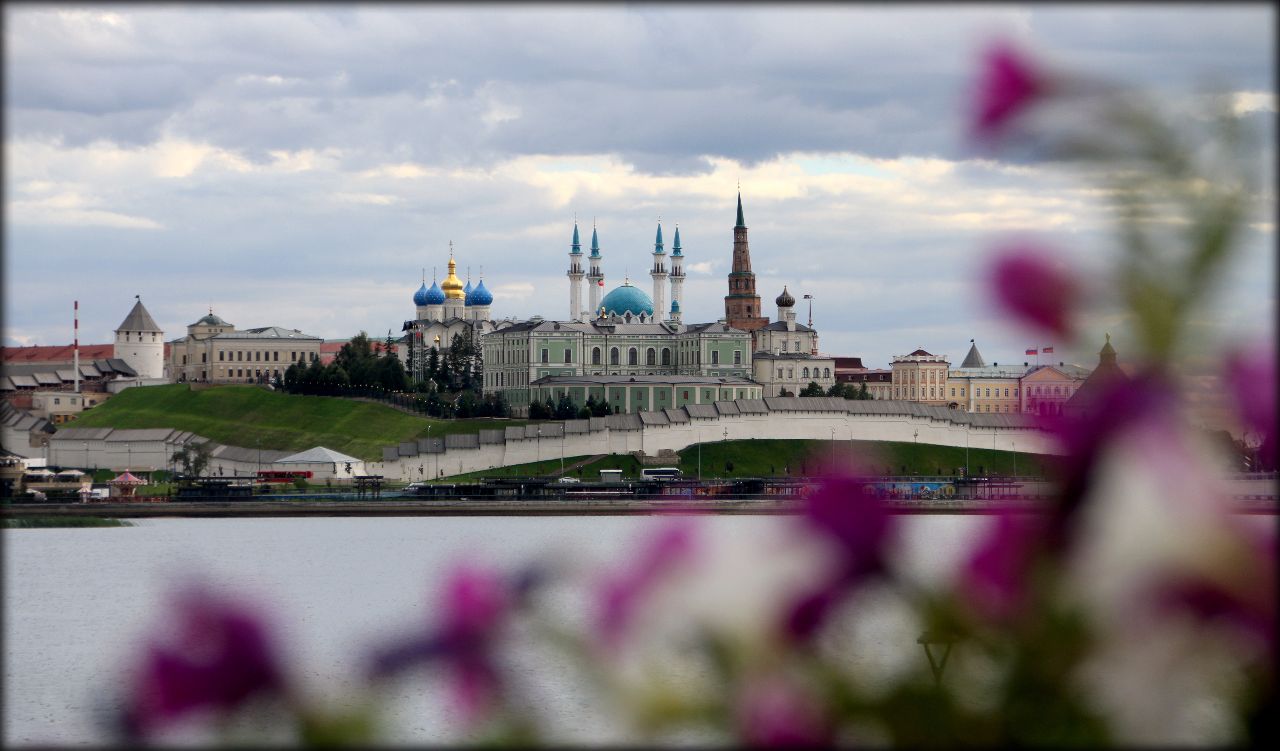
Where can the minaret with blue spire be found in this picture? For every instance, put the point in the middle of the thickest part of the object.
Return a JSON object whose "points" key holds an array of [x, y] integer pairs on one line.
{"points": [[677, 275], [575, 273], [595, 277], [659, 273]]}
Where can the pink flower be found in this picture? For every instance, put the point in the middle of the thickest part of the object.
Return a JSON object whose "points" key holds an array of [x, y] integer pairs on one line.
{"points": [[1251, 378], [473, 607], [846, 510], [475, 604], [1037, 290], [773, 713], [1009, 85], [221, 657], [622, 592], [995, 579]]}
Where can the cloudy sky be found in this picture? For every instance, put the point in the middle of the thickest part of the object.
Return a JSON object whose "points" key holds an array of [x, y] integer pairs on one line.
{"points": [[300, 166]]}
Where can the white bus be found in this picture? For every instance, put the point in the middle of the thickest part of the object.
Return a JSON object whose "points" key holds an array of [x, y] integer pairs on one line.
{"points": [[660, 473]]}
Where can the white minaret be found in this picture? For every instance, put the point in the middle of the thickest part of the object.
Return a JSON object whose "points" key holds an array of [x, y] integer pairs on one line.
{"points": [[596, 277], [659, 275], [576, 313], [677, 272], [140, 342]]}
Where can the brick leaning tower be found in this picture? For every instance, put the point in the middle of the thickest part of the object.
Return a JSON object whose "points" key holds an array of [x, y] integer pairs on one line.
{"points": [[742, 304]]}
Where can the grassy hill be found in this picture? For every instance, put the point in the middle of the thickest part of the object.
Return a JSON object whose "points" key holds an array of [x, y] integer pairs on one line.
{"points": [[796, 458], [243, 415]]}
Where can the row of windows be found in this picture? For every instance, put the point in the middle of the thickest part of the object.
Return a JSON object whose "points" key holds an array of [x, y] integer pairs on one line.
{"points": [[633, 356], [128, 337], [826, 373]]}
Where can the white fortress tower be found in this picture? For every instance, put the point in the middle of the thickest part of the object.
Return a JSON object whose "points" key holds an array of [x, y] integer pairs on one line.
{"points": [[659, 274], [677, 274], [576, 313], [140, 342], [596, 277]]}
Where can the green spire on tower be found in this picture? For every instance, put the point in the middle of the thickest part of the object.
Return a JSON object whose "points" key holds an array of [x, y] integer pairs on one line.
{"points": [[741, 222], [657, 242], [675, 245], [577, 246], [595, 243]]}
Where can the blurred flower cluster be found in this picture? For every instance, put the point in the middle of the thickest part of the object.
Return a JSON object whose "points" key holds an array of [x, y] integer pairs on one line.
{"points": [[1137, 607]]}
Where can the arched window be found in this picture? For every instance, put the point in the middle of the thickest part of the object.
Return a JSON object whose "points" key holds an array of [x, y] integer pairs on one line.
{"points": [[651, 356], [826, 372], [806, 372], [613, 356], [633, 356], [595, 355], [666, 355]]}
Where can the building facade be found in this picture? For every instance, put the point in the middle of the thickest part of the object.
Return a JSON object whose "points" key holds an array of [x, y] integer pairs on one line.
{"points": [[215, 351], [644, 393], [785, 360], [520, 354]]}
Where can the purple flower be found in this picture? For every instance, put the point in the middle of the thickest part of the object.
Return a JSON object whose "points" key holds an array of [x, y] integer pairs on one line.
{"points": [[773, 713], [1009, 85], [845, 510], [1036, 289], [622, 592], [221, 656], [995, 579], [475, 604], [1117, 405], [473, 607], [1251, 378]]}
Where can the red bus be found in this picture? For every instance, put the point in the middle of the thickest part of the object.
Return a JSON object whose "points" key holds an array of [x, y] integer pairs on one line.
{"points": [[282, 477]]}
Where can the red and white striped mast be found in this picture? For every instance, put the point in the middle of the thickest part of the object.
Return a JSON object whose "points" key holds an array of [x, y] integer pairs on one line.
{"points": [[75, 351]]}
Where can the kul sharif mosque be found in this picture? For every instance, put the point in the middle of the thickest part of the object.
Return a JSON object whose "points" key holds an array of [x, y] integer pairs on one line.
{"points": [[624, 334]]}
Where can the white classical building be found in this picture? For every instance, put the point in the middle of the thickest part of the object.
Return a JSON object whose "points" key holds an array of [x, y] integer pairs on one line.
{"points": [[786, 357]]}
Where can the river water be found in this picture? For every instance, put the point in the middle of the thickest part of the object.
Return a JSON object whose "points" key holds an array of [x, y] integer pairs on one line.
{"points": [[78, 602]]}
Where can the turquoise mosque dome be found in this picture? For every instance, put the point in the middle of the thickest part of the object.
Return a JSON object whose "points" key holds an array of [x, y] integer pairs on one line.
{"points": [[480, 295], [627, 299]]}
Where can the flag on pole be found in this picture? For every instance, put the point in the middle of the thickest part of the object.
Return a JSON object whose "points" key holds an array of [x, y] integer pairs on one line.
{"points": [[1047, 350], [601, 282], [1032, 351]]}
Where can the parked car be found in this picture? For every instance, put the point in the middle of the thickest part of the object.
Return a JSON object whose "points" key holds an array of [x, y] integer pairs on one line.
{"points": [[568, 480]]}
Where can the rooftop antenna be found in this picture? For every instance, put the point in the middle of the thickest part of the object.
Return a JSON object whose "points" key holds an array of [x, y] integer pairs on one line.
{"points": [[433, 274], [451, 248], [424, 274]]}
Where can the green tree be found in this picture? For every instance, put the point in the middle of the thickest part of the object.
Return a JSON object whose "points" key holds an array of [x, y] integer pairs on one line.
{"points": [[813, 389], [193, 459]]}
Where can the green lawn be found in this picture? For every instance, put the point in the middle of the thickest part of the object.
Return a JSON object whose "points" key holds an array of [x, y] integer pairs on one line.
{"points": [[243, 415], [797, 458], [774, 457]]}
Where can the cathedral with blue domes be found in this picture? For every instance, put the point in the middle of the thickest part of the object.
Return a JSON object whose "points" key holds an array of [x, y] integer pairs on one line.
{"points": [[443, 310]]}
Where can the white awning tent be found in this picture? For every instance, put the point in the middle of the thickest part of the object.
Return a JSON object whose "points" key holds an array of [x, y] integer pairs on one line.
{"points": [[323, 462]]}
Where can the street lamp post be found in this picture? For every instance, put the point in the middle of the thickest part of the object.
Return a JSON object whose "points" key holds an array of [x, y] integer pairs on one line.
{"points": [[966, 451], [539, 443], [833, 447], [86, 454], [432, 449], [561, 448], [128, 452], [1015, 457]]}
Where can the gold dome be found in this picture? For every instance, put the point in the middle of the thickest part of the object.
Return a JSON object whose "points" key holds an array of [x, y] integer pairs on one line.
{"points": [[452, 285]]}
